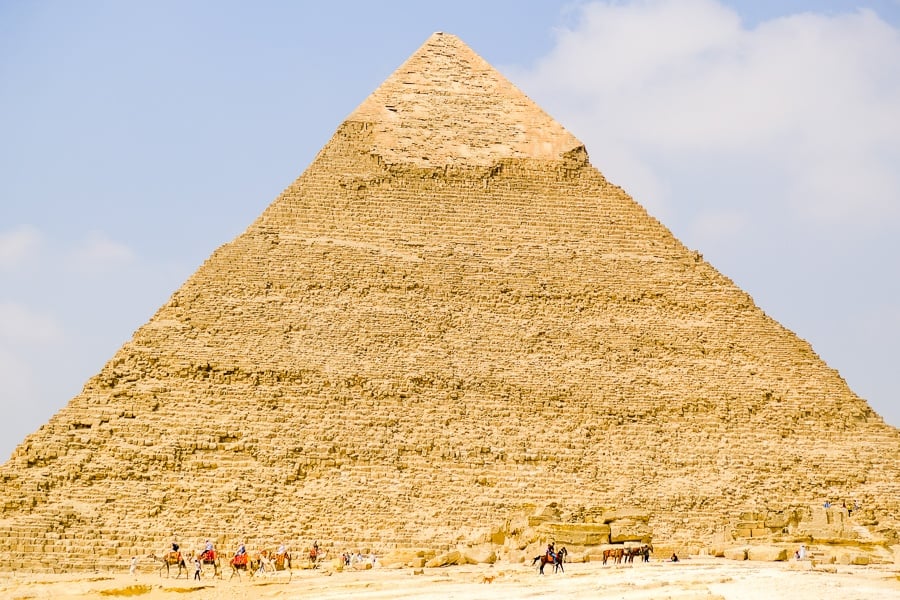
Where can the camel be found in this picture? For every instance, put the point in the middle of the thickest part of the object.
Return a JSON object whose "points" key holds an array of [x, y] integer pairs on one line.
{"points": [[168, 560]]}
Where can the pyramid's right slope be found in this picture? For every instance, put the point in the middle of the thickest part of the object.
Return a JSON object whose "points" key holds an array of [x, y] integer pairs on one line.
{"points": [[449, 315]]}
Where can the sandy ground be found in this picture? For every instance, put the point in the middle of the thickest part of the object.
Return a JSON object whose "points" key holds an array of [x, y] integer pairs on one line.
{"points": [[693, 578]]}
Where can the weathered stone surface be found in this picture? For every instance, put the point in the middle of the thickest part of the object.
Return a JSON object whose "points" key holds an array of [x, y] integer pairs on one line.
{"points": [[628, 530], [453, 557], [767, 553], [581, 534], [480, 555], [735, 553], [849, 557], [449, 316], [405, 558]]}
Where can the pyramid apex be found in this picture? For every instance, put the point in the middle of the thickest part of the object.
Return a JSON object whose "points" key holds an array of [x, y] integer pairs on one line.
{"points": [[447, 105]]}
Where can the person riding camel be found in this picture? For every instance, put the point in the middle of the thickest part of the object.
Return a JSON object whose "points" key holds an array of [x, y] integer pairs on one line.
{"points": [[240, 557], [208, 553], [282, 550]]}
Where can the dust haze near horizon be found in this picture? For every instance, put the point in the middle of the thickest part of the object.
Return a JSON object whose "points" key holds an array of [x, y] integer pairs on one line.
{"points": [[140, 137]]}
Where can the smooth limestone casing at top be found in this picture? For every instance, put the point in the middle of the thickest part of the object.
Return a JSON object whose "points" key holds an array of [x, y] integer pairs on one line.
{"points": [[450, 315]]}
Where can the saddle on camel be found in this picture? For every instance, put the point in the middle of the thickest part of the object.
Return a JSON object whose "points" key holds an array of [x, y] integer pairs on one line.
{"points": [[171, 559], [211, 557]]}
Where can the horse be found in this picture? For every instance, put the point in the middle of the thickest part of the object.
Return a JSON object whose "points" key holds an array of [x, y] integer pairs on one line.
{"points": [[170, 559], [643, 551], [556, 559], [560, 559], [614, 553]]}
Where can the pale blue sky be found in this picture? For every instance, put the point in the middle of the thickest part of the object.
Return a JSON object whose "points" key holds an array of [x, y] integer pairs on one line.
{"points": [[140, 136]]}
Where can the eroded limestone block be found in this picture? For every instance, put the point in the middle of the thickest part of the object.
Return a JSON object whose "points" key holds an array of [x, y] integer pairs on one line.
{"points": [[735, 553], [453, 557], [579, 534], [767, 553], [480, 555], [628, 530]]}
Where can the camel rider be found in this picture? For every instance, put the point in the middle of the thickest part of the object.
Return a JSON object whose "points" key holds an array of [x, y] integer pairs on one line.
{"points": [[241, 550], [281, 550], [208, 553]]}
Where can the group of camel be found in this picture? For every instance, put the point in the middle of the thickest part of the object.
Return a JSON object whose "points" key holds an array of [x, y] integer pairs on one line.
{"points": [[264, 562]]}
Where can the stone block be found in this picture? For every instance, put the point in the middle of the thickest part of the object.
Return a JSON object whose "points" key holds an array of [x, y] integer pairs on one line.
{"points": [[767, 553], [453, 557], [482, 555], [626, 530], [578, 534]]}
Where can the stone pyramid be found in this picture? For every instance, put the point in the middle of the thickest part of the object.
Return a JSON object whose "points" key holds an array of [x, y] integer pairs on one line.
{"points": [[449, 317]]}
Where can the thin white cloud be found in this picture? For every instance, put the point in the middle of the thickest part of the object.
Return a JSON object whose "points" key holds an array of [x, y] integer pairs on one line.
{"points": [[20, 324], [97, 253], [815, 97], [17, 383], [18, 245], [711, 227]]}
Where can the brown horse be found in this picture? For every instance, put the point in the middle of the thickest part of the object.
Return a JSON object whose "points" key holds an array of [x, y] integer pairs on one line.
{"points": [[627, 555], [613, 553], [168, 560], [556, 559]]}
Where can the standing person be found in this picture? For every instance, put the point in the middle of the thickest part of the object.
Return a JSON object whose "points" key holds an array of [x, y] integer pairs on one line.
{"points": [[196, 567], [133, 566]]}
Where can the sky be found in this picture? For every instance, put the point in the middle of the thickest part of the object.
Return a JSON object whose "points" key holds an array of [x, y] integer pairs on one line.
{"points": [[140, 136]]}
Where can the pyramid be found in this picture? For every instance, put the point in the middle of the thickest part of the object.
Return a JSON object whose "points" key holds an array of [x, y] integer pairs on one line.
{"points": [[449, 318]]}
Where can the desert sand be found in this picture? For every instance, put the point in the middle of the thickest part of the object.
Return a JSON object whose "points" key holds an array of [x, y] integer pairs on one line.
{"points": [[692, 578]]}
